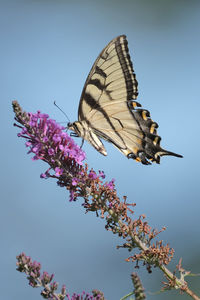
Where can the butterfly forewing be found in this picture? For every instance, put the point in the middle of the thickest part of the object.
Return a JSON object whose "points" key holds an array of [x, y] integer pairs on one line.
{"points": [[111, 78]]}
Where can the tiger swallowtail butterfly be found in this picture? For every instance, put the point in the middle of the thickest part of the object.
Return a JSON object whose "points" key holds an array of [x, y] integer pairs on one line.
{"points": [[108, 108]]}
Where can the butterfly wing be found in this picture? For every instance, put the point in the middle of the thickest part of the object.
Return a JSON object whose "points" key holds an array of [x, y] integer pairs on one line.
{"points": [[111, 78], [109, 109]]}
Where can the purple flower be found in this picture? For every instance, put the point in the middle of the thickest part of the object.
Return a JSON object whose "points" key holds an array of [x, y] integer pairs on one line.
{"points": [[57, 138], [36, 148], [46, 174], [43, 175], [80, 159], [58, 171], [28, 144], [101, 174], [45, 139], [75, 181], [92, 174], [111, 184], [46, 278], [51, 151], [61, 147]]}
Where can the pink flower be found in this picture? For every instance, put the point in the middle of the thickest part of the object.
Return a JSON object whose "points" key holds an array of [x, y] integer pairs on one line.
{"points": [[92, 174], [101, 174], [58, 171], [75, 181], [111, 184], [46, 138]]}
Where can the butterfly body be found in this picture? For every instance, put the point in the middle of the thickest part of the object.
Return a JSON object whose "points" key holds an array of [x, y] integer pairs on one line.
{"points": [[108, 108], [82, 129]]}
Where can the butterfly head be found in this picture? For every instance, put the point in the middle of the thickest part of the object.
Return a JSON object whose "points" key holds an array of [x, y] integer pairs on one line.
{"points": [[76, 128], [69, 125]]}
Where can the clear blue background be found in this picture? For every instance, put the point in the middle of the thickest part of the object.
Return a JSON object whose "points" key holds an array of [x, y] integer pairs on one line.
{"points": [[47, 49]]}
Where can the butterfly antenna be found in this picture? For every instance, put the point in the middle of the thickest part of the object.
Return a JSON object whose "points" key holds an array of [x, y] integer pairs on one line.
{"points": [[62, 111]]}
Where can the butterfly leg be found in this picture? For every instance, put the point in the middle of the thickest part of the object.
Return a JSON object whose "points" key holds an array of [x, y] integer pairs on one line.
{"points": [[82, 143]]}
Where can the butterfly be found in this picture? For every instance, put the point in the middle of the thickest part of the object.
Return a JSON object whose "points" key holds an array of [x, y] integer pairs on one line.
{"points": [[108, 108]]}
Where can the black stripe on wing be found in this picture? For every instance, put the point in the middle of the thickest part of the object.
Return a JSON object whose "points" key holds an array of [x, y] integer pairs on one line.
{"points": [[93, 104], [97, 83], [100, 72], [127, 67]]}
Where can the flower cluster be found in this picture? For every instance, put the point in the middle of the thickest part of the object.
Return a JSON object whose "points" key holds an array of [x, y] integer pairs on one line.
{"points": [[33, 272], [155, 254], [47, 140], [172, 282]]}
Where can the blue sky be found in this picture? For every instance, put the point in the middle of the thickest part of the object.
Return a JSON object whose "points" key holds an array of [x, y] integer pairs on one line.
{"points": [[47, 50]]}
